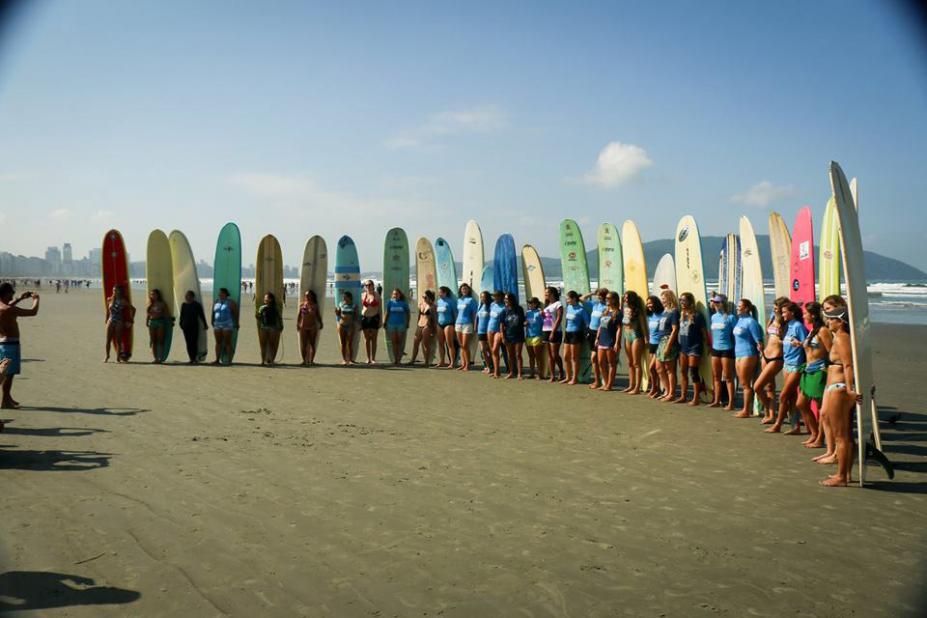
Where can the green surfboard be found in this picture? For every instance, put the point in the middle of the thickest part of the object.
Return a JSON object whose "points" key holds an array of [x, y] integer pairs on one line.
{"points": [[396, 275], [575, 278], [611, 264], [227, 272]]}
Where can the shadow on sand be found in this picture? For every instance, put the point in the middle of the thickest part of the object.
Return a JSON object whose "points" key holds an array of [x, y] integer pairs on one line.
{"points": [[52, 432], [31, 590], [52, 461], [75, 410]]}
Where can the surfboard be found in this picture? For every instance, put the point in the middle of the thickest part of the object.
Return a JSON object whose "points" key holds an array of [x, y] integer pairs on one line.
{"points": [[665, 275], [114, 266], [227, 273], [186, 280], [486, 281], [446, 268], [635, 278], [851, 246], [829, 253], [780, 247], [505, 265], [729, 268], [752, 281], [395, 276], [690, 277], [575, 278], [611, 262], [313, 275], [426, 278], [472, 270], [159, 275], [535, 284], [801, 270], [347, 279]]}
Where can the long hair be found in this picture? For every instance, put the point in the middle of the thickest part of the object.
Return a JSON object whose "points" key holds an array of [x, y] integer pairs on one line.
{"points": [[657, 305], [399, 292], [776, 317], [485, 298], [750, 307], [445, 289], [554, 293], [634, 302], [157, 297], [689, 299], [669, 299], [817, 318], [469, 293]]}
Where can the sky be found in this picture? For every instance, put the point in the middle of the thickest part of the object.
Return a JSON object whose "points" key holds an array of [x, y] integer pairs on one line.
{"points": [[297, 118]]}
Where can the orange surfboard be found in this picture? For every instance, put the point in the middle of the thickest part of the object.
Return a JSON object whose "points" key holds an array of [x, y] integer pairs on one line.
{"points": [[115, 267]]}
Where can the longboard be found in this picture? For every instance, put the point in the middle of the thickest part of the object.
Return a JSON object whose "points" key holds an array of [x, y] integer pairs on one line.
{"points": [[611, 260], [114, 264], [730, 271], [664, 277], [505, 265], [635, 278], [186, 280], [313, 275], [447, 277], [159, 276], [474, 259], [426, 278], [690, 277], [753, 281], [801, 289], [227, 274], [347, 279], [575, 278], [395, 276], [268, 277], [535, 284], [829, 253], [780, 248]]}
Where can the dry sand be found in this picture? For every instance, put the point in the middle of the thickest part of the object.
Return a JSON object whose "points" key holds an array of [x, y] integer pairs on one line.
{"points": [[202, 491]]}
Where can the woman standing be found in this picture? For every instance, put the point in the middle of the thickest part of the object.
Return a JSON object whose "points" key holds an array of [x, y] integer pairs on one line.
{"points": [[494, 330], [397, 322], [309, 324], [224, 323], [120, 315], [765, 385], [347, 316], [158, 319], [595, 306], [270, 325], [831, 304], [793, 354], [722, 350], [748, 343], [192, 320], [654, 315], [606, 340], [513, 326], [371, 318], [425, 328], [447, 316], [814, 378], [465, 324], [534, 324], [839, 397], [482, 330], [692, 337], [576, 322], [668, 348], [632, 331], [552, 332]]}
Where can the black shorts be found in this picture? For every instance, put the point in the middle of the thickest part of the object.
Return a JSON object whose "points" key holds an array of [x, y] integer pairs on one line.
{"points": [[552, 336], [482, 337], [573, 338], [652, 347], [722, 353], [371, 323], [590, 337]]}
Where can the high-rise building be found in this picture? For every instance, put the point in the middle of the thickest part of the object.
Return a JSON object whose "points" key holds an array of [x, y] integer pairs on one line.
{"points": [[53, 256], [94, 256], [66, 250]]}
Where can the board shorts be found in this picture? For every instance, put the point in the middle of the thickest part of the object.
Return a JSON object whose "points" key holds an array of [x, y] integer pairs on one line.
{"points": [[665, 352], [722, 353], [812, 384], [691, 350], [533, 341], [464, 329], [591, 336], [652, 347], [11, 352], [552, 336], [516, 339], [395, 328], [482, 337], [371, 323], [574, 338]]}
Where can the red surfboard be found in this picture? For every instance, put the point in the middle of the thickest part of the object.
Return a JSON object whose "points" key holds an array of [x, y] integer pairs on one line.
{"points": [[115, 266], [802, 267]]}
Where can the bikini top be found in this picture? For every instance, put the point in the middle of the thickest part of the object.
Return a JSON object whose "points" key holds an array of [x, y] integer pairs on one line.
{"points": [[370, 301], [813, 343], [772, 330]]}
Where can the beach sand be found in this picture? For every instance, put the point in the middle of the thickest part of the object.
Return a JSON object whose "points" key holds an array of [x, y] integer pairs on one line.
{"points": [[247, 491]]}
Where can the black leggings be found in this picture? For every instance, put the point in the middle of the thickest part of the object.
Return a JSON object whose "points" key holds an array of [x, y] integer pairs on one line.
{"points": [[192, 338]]}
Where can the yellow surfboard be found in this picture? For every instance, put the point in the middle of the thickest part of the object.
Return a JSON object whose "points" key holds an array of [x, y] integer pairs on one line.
{"points": [[780, 246], [426, 278], [268, 277], [159, 275], [635, 279]]}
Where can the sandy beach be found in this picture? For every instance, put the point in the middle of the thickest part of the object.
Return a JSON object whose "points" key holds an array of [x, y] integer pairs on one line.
{"points": [[148, 490]]}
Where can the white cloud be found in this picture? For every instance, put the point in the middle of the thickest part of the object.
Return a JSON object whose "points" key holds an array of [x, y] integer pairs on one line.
{"points": [[617, 163], [762, 194], [486, 119], [60, 215], [102, 215]]}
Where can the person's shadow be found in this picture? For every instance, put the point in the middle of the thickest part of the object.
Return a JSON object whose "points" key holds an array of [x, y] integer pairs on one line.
{"points": [[28, 590], [51, 461]]}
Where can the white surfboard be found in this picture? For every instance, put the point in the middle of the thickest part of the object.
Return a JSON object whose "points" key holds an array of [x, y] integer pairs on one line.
{"points": [[780, 246], [752, 284], [472, 264], [690, 277], [665, 275]]}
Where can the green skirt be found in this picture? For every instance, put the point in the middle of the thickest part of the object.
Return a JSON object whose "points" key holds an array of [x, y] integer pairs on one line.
{"points": [[812, 384], [665, 352]]}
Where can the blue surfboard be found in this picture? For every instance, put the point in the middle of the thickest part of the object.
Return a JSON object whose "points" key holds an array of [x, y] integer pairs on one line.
{"points": [[447, 269], [347, 277], [505, 266]]}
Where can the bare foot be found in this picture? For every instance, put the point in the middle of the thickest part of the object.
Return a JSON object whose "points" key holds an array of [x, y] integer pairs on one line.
{"points": [[834, 481], [742, 414], [773, 429], [812, 445], [511, 376], [729, 408], [794, 431], [679, 400], [695, 402], [768, 421], [826, 459], [593, 386], [714, 404], [572, 382]]}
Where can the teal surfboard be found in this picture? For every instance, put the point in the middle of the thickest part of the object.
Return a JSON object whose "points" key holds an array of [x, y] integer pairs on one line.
{"points": [[227, 272], [611, 264], [396, 275], [575, 278], [447, 269], [347, 278]]}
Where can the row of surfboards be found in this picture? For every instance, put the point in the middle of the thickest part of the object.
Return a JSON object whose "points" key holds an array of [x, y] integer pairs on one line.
{"points": [[172, 269]]}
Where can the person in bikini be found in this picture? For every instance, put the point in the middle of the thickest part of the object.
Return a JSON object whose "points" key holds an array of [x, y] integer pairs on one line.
{"points": [[635, 334], [158, 319], [309, 324], [10, 353], [120, 315], [765, 385], [425, 328], [814, 378], [832, 303], [371, 318], [346, 314], [840, 397]]}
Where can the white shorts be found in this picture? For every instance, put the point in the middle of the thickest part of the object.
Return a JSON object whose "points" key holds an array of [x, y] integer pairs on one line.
{"points": [[464, 329]]}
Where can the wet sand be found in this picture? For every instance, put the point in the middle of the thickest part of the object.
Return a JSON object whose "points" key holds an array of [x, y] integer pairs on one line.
{"points": [[246, 491]]}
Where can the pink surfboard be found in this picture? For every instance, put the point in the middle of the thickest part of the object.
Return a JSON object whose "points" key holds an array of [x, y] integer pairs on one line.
{"points": [[802, 267]]}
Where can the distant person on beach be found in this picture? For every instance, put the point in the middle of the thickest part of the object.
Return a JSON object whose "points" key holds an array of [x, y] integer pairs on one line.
{"points": [[693, 335], [635, 338], [347, 315], [534, 324], [594, 303], [425, 328], [513, 333], [371, 319], [270, 325], [191, 319], [398, 317], [120, 315], [577, 321], [668, 348], [840, 397], [773, 360], [793, 355], [10, 352], [482, 330], [607, 342], [722, 351], [654, 315], [158, 319], [309, 325], [224, 324], [748, 344], [552, 332], [814, 377], [465, 324]]}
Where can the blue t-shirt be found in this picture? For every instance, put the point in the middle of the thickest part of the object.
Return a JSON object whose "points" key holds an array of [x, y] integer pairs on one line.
{"points": [[535, 321], [668, 319], [396, 312], [482, 319], [653, 325], [466, 309], [747, 335], [722, 331], [495, 317], [594, 310], [447, 311], [794, 354], [576, 318]]}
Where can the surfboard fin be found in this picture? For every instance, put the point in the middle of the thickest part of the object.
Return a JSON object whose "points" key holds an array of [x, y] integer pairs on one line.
{"points": [[875, 455]]}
